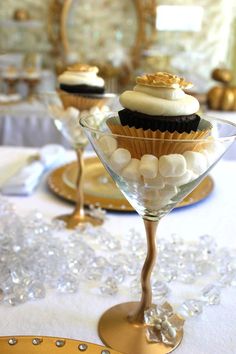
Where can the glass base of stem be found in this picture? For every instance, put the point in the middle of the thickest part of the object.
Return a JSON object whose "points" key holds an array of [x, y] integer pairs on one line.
{"points": [[118, 333], [73, 220]]}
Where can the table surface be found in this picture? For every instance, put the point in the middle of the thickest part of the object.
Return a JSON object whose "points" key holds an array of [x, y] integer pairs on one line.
{"points": [[62, 315]]}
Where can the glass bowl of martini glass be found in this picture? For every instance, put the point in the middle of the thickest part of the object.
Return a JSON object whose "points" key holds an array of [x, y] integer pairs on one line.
{"points": [[154, 175], [66, 120]]}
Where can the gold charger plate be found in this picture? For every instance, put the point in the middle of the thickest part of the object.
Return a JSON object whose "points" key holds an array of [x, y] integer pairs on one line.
{"points": [[100, 190], [49, 345]]}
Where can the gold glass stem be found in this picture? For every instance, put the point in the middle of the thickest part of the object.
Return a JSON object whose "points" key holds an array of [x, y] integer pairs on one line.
{"points": [[32, 83], [79, 207], [146, 299], [11, 85]]}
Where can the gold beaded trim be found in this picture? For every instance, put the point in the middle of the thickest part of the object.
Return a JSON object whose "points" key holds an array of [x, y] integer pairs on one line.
{"points": [[162, 79]]}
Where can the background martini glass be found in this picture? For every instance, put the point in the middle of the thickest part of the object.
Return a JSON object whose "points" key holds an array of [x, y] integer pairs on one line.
{"points": [[67, 122], [154, 175]]}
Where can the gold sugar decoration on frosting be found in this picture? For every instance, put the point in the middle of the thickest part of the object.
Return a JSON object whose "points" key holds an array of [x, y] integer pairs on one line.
{"points": [[82, 68], [162, 79]]}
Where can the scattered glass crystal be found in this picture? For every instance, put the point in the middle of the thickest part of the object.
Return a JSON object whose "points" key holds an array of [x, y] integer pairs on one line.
{"points": [[37, 254], [1, 295], [191, 308], [187, 276], [225, 279], [67, 283], [233, 280], [160, 290], [211, 294], [109, 287], [36, 290]]}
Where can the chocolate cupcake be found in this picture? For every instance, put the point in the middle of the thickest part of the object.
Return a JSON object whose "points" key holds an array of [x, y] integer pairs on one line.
{"points": [[158, 102], [159, 109], [82, 79], [81, 87]]}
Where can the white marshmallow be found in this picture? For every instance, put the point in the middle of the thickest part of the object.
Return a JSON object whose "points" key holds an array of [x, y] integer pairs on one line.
{"points": [[215, 148], [84, 114], [148, 166], [108, 144], [153, 200], [180, 180], [150, 194], [120, 158], [94, 110], [72, 112], [157, 182], [157, 204], [172, 165], [196, 162], [105, 109], [131, 171], [210, 158], [168, 192]]}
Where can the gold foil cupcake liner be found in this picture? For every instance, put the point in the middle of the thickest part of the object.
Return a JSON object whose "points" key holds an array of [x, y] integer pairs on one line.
{"points": [[82, 103], [160, 143]]}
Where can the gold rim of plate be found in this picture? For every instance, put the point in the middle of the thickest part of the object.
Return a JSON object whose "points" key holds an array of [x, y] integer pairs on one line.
{"points": [[113, 200], [52, 345]]}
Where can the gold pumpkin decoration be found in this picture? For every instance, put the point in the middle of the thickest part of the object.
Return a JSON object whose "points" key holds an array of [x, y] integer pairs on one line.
{"points": [[222, 98], [222, 75]]}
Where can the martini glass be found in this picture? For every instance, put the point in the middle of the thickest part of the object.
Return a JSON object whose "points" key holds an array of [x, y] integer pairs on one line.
{"points": [[67, 122], [154, 175]]}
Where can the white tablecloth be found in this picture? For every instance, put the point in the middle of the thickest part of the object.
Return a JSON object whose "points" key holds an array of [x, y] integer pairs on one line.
{"points": [[28, 124], [76, 316]]}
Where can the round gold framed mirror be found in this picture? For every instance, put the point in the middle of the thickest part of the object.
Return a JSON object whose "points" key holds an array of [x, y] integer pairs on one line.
{"points": [[104, 32]]}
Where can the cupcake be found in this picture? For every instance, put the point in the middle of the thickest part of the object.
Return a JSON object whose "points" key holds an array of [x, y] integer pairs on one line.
{"points": [[159, 108], [81, 87], [158, 102]]}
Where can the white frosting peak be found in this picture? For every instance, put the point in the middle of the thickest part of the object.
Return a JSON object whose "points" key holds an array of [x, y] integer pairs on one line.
{"points": [[81, 78]]}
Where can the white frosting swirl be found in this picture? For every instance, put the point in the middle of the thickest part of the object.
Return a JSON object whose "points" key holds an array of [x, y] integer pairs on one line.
{"points": [[155, 106], [161, 92], [89, 78]]}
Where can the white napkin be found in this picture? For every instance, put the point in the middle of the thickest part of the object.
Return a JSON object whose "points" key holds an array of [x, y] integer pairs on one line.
{"points": [[25, 180]]}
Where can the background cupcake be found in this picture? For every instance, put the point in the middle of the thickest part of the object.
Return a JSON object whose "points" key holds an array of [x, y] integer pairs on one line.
{"points": [[81, 87]]}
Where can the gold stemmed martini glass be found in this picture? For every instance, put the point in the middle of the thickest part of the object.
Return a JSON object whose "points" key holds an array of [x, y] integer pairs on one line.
{"points": [[154, 175]]}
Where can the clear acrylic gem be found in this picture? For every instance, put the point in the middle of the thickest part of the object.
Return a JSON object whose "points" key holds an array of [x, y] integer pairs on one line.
{"points": [[167, 273], [187, 276], [192, 307], [1, 295], [160, 290], [225, 279], [109, 287], [17, 296], [211, 294], [233, 280], [67, 284], [36, 290]]}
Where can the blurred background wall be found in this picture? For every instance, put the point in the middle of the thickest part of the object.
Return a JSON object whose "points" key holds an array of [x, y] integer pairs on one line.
{"points": [[111, 26]]}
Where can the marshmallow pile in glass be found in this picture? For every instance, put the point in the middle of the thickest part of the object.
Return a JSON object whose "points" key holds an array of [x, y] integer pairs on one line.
{"points": [[154, 183]]}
